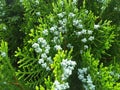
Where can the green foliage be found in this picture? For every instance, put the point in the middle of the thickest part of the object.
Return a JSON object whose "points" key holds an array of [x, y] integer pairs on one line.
{"points": [[58, 72], [110, 12], [65, 44], [8, 79], [30, 71], [104, 78]]}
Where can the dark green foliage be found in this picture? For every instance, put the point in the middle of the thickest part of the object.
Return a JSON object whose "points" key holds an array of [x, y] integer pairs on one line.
{"points": [[111, 12]]}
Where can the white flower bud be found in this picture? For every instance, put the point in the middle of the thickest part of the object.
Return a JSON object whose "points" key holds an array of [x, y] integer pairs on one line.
{"points": [[84, 40], [35, 45], [57, 47], [3, 54], [91, 38], [96, 26]]}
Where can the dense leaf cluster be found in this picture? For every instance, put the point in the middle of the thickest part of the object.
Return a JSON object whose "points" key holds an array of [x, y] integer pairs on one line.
{"points": [[59, 44]]}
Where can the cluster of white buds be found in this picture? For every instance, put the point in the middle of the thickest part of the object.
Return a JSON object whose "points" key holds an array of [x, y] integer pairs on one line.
{"points": [[84, 32], [71, 15], [86, 79], [56, 38], [67, 66], [58, 86], [63, 22], [56, 33], [53, 28], [86, 36], [61, 15], [57, 47], [37, 48], [42, 48], [77, 23], [45, 32]]}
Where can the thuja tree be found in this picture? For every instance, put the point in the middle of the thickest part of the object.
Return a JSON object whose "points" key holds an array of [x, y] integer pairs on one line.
{"points": [[65, 28], [63, 43]]}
